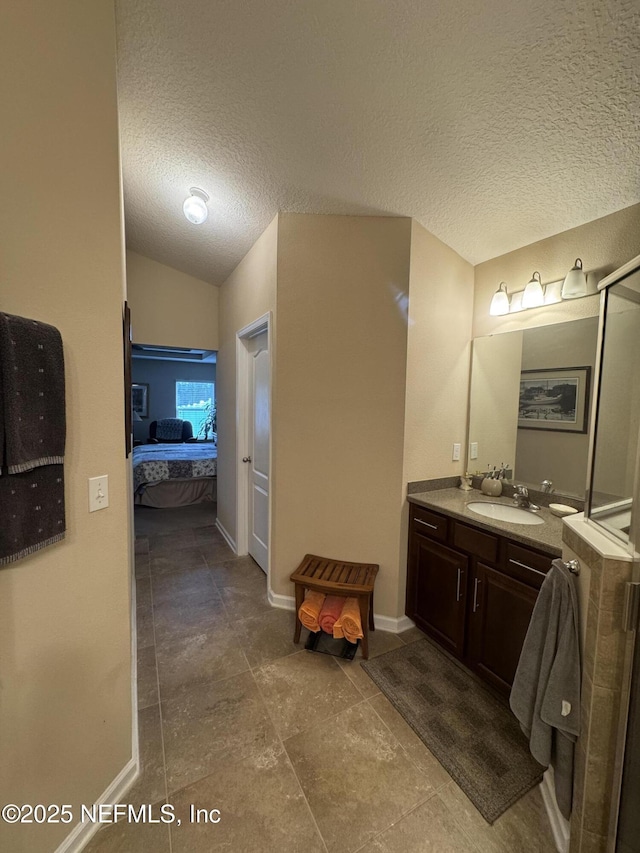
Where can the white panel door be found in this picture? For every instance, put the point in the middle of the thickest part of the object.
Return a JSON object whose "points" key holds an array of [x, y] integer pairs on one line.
{"points": [[259, 449]]}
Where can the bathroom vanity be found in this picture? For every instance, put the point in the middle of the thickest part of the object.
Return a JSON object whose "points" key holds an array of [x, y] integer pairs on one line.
{"points": [[472, 582]]}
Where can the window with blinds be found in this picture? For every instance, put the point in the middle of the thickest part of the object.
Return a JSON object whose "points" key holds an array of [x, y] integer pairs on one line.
{"points": [[192, 402]]}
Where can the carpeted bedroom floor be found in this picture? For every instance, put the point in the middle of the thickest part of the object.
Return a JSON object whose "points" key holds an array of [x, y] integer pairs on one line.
{"points": [[299, 752]]}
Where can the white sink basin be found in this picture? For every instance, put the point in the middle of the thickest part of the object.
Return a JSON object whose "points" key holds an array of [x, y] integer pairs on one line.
{"points": [[504, 512]]}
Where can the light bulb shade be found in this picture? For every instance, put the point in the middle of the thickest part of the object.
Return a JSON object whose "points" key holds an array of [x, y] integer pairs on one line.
{"points": [[533, 295], [195, 206], [575, 283], [500, 301]]}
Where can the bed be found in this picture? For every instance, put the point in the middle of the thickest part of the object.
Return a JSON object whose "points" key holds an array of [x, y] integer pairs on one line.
{"points": [[168, 475]]}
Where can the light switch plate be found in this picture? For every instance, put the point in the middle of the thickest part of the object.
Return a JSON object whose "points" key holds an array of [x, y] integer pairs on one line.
{"points": [[456, 452], [98, 493], [473, 450]]}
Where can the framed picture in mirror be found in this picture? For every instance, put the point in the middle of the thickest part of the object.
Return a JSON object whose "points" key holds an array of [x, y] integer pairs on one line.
{"points": [[554, 399], [140, 398]]}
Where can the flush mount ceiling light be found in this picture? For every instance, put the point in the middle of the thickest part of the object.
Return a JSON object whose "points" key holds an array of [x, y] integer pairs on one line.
{"points": [[195, 206], [533, 295], [500, 301], [575, 283]]}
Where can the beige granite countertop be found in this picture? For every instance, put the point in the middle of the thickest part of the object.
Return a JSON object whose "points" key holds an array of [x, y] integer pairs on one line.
{"points": [[545, 537]]}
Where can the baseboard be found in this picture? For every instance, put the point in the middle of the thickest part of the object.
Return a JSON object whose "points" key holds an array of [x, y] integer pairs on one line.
{"points": [[391, 624], [282, 602], [227, 536], [383, 623], [559, 824], [79, 837]]}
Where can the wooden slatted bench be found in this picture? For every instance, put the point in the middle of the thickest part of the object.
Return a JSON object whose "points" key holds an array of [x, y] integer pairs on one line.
{"points": [[336, 577]]}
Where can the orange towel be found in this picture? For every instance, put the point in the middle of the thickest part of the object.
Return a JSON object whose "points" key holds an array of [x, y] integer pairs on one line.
{"points": [[331, 609], [310, 610], [349, 624]]}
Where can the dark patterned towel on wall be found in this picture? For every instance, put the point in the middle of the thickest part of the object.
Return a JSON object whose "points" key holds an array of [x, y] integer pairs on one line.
{"points": [[32, 436], [32, 511], [32, 367]]}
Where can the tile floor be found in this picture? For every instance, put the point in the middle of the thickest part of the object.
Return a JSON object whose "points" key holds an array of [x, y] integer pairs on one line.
{"points": [[300, 752]]}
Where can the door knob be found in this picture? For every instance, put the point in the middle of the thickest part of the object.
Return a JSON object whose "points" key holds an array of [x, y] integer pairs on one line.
{"points": [[246, 459]]}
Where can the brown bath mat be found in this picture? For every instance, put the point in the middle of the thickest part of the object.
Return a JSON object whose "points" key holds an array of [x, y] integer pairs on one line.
{"points": [[472, 734]]}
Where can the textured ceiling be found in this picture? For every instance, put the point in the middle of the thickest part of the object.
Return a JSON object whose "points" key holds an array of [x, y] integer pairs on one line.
{"points": [[493, 123]]}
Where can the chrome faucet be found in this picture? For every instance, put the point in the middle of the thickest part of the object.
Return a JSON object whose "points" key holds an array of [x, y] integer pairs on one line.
{"points": [[521, 498], [546, 486]]}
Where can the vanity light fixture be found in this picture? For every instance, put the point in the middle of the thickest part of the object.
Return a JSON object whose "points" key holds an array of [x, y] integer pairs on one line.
{"points": [[533, 295], [195, 206], [536, 294], [500, 301], [575, 283]]}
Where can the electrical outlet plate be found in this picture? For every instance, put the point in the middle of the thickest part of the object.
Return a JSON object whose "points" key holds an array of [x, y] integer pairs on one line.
{"points": [[456, 452], [473, 450], [98, 493]]}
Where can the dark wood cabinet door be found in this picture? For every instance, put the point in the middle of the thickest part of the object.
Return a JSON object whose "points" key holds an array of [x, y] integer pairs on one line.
{"points": [[437, 591], [500, 610]]}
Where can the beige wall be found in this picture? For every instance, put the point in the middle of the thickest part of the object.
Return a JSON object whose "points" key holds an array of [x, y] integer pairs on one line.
{"points": [[339, 398], [248, 293], [440, 304], [369, 390], [65, 702], [438, 353], [604, 245], [169, 307]]}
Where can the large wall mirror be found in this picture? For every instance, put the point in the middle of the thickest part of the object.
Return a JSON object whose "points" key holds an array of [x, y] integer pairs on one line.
{"points": [[529, 403]]}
